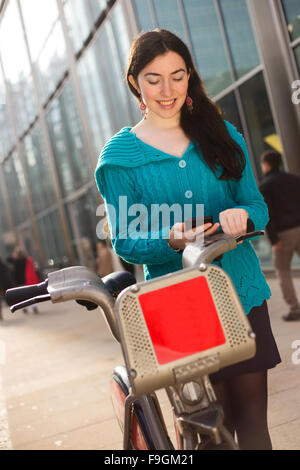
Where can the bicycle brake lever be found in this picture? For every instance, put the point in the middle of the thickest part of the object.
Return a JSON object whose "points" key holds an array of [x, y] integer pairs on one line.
{"points": [[249, 235], [27, 303]]}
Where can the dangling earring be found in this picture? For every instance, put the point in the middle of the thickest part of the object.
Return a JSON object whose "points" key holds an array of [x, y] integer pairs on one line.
{"points": [[143, 107], [189, 103]]}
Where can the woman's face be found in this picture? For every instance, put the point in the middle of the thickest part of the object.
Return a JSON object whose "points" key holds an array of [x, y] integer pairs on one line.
{"points": [[163, 84]]}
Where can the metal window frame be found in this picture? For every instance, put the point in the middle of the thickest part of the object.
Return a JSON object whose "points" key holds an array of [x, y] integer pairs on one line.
{"points": [[279, 74]]}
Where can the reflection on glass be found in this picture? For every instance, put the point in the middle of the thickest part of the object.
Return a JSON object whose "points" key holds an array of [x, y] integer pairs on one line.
{"points": [[16, 189], [292, 14], [208, 45], [16, 68], [67, 142], [52, 241], [258, 115], [230, 111], [37, 169], [240, 36], [101, 79], [143, 14], [81, 16], [169, 17]]}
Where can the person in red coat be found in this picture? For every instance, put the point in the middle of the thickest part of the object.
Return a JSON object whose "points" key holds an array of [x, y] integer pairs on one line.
{"points": [[31, 276], [24, 271]]}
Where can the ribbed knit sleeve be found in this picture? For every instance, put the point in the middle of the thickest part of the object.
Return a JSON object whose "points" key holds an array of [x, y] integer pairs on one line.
{"points": [[135, 246], [245, 191]]}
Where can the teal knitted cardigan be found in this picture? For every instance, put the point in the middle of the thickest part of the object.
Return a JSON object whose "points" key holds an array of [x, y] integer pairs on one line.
{"points": [[129, 167]]}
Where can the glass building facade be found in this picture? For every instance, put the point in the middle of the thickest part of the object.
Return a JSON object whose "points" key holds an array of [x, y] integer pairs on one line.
{"points": [[63, 94]]}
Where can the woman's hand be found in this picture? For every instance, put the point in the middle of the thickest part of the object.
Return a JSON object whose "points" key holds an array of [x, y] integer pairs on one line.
{"points": [[234, 221], [179, 236]]}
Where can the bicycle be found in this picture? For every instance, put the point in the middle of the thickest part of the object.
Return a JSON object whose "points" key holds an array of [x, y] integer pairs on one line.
{"points": [[162, 347]]}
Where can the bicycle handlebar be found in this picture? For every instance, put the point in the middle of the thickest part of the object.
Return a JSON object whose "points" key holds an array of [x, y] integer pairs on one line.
{"points": [[73, 283], [208, 249]]}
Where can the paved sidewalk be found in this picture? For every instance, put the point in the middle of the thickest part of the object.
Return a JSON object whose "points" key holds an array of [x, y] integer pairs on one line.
{"points": [[54, 391]]}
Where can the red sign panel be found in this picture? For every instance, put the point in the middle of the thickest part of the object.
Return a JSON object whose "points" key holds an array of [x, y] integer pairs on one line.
{"points": [[182, 319]]}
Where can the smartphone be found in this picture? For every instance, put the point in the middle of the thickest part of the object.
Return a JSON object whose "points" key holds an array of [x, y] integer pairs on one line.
{"points": [[202, 220]]}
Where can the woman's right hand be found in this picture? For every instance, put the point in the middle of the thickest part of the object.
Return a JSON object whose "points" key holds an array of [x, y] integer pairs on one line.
{"points": [[179, 236]]}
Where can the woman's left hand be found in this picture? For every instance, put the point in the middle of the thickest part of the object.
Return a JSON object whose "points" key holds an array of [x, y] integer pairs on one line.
{"points": [[234, 221]]}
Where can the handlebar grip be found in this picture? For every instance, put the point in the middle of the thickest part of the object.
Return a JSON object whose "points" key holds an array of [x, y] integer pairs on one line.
{"points": [[250, 226], [20, 294]]}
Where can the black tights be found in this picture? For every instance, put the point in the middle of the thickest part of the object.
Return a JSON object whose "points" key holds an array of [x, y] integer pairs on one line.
{"points": [[245, 399]]}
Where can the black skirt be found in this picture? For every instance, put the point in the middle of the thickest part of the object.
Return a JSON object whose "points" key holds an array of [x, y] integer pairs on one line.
{"points": [[267, 355]]}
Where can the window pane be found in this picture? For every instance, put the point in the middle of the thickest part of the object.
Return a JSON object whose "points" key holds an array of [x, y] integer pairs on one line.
{"points": [[240, 36], [4, 249], [230, 111], [169, 17], [27, 241], [97, 7], [121, 34], [259, 117], [38, 171], [39, 18], [143, 14], [46, 43], [16, 189], [123, 41], [52, 62], [208, 45], [67, 142], [16, 68], [4, 226], [101, 77], [81, 16], [7, 139], [292, 14], [83, 221], [52, 241]]}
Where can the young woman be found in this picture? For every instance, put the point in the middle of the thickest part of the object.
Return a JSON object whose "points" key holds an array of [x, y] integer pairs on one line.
{"points": [[183, 152]]}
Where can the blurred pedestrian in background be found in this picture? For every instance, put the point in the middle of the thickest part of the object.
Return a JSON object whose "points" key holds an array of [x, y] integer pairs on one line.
{"points": [[24, 271], [281, 192], [5, 282]]}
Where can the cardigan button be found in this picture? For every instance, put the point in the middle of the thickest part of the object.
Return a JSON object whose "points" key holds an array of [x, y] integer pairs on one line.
{"points": [[182, 163], [188, 194]]}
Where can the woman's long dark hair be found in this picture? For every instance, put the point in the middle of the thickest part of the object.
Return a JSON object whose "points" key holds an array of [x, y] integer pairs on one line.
{"points": [[205, 125]]}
